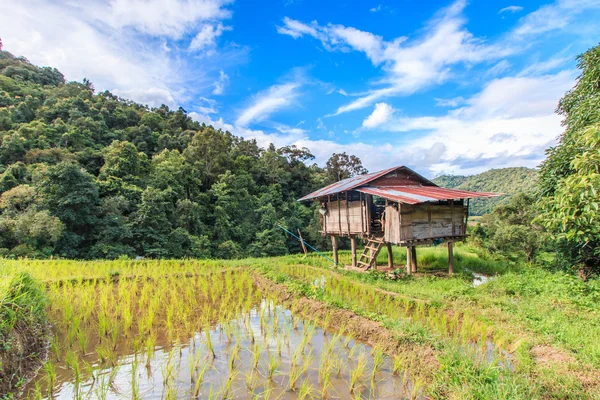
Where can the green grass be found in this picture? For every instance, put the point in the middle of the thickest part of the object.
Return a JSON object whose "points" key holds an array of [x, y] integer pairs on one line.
{"points": [[22, 329], [21, 300]]}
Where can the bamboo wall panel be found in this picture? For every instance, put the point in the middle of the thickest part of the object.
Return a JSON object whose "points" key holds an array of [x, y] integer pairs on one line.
{"points": [[439, 224], [346, 218], [392, 225]]}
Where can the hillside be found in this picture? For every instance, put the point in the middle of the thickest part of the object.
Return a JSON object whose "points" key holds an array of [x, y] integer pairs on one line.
{"points": [[504, 180], [86, 174]]}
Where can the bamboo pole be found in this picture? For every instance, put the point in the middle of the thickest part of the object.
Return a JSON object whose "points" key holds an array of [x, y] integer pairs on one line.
{"points": [[408, 260], [390, 256], [353, 246], [450, 258]]}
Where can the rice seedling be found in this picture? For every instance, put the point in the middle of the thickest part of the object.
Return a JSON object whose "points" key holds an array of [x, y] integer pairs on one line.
{"points": [[378, 361], [199, 378], [50, 371], [307, 391], [357, 374], [272, 366]]}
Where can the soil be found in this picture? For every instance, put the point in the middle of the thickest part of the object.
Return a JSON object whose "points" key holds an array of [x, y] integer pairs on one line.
{"points": [[544, 354], [21, 355]]}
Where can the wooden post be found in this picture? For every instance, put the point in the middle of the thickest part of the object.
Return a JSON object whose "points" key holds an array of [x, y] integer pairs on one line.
{"points": [[450, 259], [408, 260], [413, 258], [335, 249], [390, 255], [353, 246], [302, 242]]}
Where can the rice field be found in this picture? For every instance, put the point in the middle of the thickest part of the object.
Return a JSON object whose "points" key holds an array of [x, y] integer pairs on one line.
{"points": [[294, 327], [210, 335]]}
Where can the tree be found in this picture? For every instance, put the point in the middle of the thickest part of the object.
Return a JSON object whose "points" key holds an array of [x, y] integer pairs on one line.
{"points": [[569, 177], [341, 166], [510, 228], [122, 160], [69, 193]]}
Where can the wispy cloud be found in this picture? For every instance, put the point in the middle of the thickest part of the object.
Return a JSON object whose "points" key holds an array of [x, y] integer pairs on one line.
{"points": [[375, 9], [207, 36], [453, 102], [409, 64], [220, 83], [555, 16], [510, 9], [265, 103]]}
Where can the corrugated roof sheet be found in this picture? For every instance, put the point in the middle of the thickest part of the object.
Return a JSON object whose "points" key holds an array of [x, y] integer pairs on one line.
{"points": [[359, 180], [347, 184], [422, 194]]}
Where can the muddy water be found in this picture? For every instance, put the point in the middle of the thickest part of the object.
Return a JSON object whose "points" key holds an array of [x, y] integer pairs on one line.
{"points": [[286, 346]]}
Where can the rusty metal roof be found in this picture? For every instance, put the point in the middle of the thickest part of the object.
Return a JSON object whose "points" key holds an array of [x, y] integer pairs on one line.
{"points": [[420, 194], [356, 181], [347, 184]]}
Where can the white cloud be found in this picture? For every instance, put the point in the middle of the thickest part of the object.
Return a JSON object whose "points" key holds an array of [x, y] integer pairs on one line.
{"points": [[268, 101], [509, 123], [498, 69], [409, 64], [380, 115], [295, 28], [376, 9], [555, 16], [510, 9], [220, 83], [207, 36], [120, 46], [170, 18], [453, 102]]}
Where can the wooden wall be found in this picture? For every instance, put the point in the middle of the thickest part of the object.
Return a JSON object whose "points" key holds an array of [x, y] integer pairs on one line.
{"points": [[344, 218], [424, 221]]}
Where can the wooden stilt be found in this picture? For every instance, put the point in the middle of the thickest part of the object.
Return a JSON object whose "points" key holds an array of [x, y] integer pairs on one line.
{"points": [[390, 256], [413, 258], [335, 249], [353, 247], [450, 258], [408, 260]]}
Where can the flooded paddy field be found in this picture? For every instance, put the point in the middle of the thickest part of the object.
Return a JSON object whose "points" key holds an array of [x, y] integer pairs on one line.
{"points": [[214, 335], [281, 329]]}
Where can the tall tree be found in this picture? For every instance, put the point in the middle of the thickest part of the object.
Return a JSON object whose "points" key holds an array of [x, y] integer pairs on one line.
{"points": [[341, 166], [570, 176]]}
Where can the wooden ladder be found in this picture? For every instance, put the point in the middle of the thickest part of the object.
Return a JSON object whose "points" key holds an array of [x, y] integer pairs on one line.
{"points": [[369, 255]]}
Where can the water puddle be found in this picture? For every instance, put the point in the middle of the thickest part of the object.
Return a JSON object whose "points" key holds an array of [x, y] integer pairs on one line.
{"points": [[479, 279]]}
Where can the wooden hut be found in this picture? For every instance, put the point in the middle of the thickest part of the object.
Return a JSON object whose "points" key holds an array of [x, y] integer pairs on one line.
{"points": [[393, 206]]}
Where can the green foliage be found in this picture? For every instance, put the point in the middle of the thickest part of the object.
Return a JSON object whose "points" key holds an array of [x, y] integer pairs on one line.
{"points": [[90, 175], [508, 181], [570, 177], [510, 228]]}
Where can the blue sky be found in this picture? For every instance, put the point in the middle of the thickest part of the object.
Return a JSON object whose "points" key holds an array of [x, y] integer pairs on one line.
{"points": [[441, 86]]}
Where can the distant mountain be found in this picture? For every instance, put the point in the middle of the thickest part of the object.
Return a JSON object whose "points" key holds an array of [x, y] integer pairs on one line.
{"points": [[504, 180]]}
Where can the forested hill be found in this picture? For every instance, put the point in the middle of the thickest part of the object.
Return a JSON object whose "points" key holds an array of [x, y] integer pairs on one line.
{"points": [[91, 175], [504, 180]]}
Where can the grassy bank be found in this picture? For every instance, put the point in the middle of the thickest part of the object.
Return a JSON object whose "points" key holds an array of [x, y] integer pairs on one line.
{"points": [[23, 330]]}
